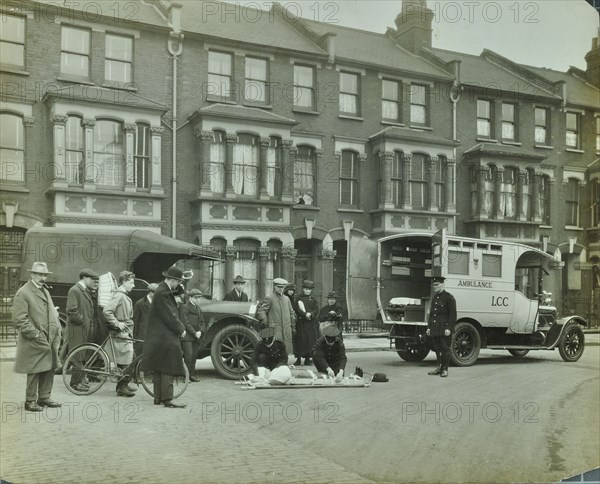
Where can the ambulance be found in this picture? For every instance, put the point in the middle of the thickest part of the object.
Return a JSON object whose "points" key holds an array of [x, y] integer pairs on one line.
{"points": [[498, 288]]}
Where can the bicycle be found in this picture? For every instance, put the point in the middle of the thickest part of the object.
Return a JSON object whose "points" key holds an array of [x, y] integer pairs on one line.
{"points": [[92, 364]]}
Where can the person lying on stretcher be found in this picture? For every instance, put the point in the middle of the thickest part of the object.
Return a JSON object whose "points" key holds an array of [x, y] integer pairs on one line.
{"points": [[329, 353]]}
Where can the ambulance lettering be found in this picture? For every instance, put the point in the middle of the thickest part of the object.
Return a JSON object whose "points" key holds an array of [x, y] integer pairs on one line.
{"points": [[499, 301]]}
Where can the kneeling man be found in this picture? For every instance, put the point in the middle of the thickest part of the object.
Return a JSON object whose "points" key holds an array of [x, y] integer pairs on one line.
{"points": [[329, 353]]}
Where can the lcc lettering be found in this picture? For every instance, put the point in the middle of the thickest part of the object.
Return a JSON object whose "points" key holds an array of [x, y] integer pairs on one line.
{"points": [[499, 301]]}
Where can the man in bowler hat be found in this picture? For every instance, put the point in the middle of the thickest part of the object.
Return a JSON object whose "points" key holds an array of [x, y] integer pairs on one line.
{"points": [[440, 326], [333, 312], [162, 347], [141, 313], [237, 293], [38, 338]]}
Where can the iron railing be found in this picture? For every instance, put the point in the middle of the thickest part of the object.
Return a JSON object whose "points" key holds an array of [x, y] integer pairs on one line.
{"points": [[587, 307]]}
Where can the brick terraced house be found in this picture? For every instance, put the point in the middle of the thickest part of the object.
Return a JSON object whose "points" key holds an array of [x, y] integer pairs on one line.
{"points": [[273, 138]]}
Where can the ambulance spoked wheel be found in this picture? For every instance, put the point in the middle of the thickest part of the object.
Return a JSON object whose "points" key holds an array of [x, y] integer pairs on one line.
{"points": [[571, 343], [412, 352], [466, 344]]}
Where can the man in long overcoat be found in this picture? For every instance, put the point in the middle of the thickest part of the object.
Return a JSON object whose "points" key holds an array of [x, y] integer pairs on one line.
{"points": [[237, 293], [81, 317], [307, 325], [38, 339], [193, 320], [440, 326], [162, 347], [141, 313], [119, 317], [276, 312]]}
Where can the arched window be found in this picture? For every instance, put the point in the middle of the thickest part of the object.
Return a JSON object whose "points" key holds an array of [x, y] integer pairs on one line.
{"points": [[74, 145], [304, 176], [12, 148], [109, 157], [245, 165]]}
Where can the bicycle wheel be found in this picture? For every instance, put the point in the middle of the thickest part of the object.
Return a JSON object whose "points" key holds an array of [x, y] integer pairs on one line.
{"points": [[86, 369], [145, 378]]}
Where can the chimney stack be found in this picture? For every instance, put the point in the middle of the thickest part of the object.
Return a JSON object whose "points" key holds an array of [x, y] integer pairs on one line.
{"points": [[413, 26], [592, 59]]}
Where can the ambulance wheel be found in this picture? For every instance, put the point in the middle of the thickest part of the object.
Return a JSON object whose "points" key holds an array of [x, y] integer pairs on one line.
{"points": [[518, 353], [232, 349], [571, 343], [413, 352], [465, 345]]}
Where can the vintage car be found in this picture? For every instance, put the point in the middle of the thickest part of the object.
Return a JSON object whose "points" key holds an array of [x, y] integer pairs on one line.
{"points": [[498, 287], [233, 330]]}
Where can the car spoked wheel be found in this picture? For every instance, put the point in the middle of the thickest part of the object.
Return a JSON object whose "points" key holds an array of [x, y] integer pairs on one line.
{"points": [[232, 349], [572, 343], [466, 345]]}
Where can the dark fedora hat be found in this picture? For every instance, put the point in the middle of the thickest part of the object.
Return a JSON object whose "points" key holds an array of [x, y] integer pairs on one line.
{"points": [[173, 272], [308, 284], [267, 333], [332, 295], [239, 280], [380, 378]]}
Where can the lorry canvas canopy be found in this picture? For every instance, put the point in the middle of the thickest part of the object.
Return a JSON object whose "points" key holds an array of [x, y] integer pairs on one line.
{"points": [[67, 251]]}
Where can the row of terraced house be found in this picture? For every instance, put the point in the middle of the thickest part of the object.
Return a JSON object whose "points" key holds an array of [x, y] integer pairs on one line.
{"points": [[274, 138]]}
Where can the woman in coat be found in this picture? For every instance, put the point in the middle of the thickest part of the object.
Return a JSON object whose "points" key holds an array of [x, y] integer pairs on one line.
{"points": [[307, 325]]}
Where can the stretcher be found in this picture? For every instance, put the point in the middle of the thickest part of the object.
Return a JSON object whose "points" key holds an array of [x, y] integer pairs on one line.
{"points": [[305, 379]]}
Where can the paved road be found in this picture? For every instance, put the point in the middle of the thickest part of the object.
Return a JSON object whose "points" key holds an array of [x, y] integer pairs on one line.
{"points": [[501, 420]]}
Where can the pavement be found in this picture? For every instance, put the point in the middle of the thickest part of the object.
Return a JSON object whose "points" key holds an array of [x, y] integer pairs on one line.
{"points": [[354, 342]]}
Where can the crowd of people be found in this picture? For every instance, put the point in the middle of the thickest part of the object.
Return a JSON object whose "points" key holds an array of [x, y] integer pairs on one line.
{"points": [[165, 327]]}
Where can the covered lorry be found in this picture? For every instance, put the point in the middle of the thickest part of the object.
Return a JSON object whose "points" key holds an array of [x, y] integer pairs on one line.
{"points": [[232, 334]]}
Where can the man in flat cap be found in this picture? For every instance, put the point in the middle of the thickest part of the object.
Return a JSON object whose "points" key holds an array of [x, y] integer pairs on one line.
{"points": [[276, 312], [269, 352], [440, 326], [141, 312], [193, 320], [237, 293], [82, 318], [38, 339], [118, 313], [329, 353], [307, 324], [162, 347]]}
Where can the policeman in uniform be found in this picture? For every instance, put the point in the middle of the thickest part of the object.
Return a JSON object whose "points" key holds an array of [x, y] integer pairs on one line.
{"points": [[269, 352], [440, 326], [329, 353]]}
